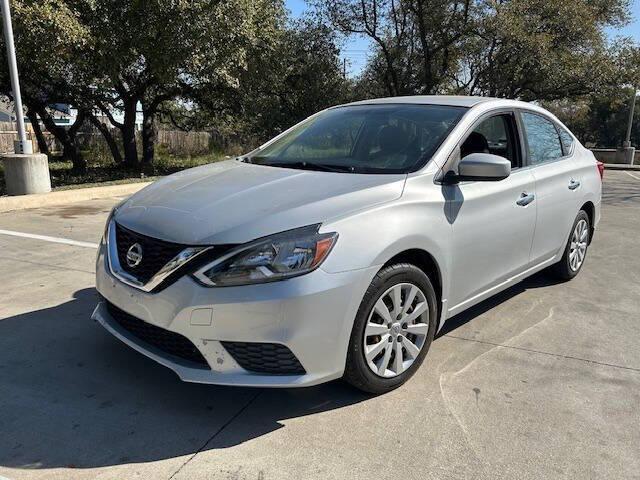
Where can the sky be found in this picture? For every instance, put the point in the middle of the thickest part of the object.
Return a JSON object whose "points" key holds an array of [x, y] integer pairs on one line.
{"points": [[355, 48]]}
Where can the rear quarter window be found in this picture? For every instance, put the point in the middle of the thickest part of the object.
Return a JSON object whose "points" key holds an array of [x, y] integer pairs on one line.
{"points": [[567, 141]]}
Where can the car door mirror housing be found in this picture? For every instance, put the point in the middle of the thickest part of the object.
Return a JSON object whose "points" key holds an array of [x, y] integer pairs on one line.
{"points": [[480, 167]]}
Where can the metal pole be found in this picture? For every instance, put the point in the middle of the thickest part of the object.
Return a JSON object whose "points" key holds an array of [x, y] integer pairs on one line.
{"points": [[22, 145], [627, 142]]}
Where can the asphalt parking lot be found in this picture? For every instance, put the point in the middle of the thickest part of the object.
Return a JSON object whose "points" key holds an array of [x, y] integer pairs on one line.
{"points": [[542, 381]]}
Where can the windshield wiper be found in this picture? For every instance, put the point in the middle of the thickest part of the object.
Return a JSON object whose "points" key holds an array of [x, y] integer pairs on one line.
{"points": [[321, 167]]}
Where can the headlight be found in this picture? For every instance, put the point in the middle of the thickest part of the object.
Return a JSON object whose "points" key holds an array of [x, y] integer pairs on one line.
{"points": [[272, 258]]}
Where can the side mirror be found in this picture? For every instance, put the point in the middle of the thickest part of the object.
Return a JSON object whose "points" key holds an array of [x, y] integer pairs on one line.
{"points": [[481, 167]]}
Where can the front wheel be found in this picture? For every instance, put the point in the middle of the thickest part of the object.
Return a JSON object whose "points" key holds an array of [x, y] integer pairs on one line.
{"points": [[575, 251], [393, 329]]}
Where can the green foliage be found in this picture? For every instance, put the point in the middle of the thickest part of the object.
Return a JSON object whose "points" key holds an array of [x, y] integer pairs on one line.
{"points": [[528, 49], [290, 74], [542, 49], [242, 70], [300, 75], [418, 43], [49, 39], [600, 120]]}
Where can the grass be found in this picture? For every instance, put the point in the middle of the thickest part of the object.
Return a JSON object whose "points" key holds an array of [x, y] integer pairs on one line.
{"points": [[105, 172]]}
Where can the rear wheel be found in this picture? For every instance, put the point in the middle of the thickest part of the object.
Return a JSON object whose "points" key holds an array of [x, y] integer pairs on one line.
{"points": [[393, 329], [575, 251]]}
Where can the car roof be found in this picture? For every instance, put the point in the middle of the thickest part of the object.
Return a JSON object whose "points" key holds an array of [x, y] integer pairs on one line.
{"points": [[449, 100]]}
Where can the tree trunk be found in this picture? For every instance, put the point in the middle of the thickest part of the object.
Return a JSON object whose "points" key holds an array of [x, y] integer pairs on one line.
{"points": [[108, 137], [35, 124], [148, 136], [128, 130], [70, 148], [71, 151]]}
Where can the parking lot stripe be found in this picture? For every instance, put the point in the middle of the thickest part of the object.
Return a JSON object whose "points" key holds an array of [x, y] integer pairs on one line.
{"points": [[46, 238], [632, 175]]}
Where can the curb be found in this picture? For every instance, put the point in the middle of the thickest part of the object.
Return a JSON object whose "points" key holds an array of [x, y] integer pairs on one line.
{"points": [[62, 197], [621, 166]]}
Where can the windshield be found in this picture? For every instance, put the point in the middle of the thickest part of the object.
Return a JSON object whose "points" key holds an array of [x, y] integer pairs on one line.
{"points": [[363, 139]]}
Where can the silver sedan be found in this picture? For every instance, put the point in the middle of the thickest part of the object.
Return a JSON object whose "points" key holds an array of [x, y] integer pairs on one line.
{"points": [[340, 248]]}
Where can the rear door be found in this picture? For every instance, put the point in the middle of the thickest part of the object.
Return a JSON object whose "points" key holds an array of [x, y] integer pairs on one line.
{"points": [[557, 184], [493, 221]]}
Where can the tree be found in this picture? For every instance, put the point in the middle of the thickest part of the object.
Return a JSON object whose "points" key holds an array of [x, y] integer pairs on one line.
{"points": [[599, 120], [149, 53], [112, 56], [528, 49], [300, 75], [417, 42], [540, 49], [49, 39], [290, 74]]}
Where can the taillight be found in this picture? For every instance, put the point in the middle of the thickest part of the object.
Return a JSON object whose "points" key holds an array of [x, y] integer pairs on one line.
{"points": [[600, 169]]}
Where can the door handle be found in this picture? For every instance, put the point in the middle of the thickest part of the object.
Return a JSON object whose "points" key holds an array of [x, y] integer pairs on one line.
{"points": [[573, 184], [525, 199]]}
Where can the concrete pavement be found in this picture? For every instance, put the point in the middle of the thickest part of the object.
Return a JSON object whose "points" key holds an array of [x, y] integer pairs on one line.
{"points": [[65, 197], [542, 381]]}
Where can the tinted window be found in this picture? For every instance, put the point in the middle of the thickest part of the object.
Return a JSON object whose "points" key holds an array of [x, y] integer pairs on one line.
{"points": [[567, 141], [542, 138], [491, 136], [363, 139]]}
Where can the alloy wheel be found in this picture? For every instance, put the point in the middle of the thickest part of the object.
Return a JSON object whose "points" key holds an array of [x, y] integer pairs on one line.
{"points": [[578, 247], [396, 330]]}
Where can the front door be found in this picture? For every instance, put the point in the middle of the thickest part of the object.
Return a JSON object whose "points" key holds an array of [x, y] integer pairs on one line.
{"points": [[493, 221]]}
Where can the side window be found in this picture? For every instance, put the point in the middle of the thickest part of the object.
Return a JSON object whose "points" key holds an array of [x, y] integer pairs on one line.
{"points": [[542, 139], [494, 135], [567, 141]]}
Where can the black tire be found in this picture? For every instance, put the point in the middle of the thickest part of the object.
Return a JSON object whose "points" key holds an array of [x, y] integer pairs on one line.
{"points": [[357, 372], [562, 269]]}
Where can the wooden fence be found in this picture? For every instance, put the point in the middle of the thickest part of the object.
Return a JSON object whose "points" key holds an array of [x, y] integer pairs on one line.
{"points": [[8, 134], [177, 142], [174, 142]]}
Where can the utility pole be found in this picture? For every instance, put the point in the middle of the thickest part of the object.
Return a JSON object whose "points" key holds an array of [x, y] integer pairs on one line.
{"points": [[627, 139], [21, 145], [627, 150], [24, 172]]}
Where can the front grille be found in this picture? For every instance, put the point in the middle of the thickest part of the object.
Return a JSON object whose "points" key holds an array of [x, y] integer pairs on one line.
{"points": [[155, 253], [264, 358], [169, 342]]}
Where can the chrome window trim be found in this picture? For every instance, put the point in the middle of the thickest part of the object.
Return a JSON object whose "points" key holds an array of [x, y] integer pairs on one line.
{"points": [[171, 266]]}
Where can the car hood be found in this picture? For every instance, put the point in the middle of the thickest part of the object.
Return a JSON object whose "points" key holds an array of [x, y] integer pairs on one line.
{"points": [[235, 202]]}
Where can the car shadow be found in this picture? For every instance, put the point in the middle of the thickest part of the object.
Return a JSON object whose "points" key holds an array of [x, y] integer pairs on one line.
{"points": [[538, 280], [72, 396]]}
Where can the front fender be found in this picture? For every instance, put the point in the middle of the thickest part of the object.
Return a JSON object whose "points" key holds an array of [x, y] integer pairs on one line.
{"points": [[417, 220]]}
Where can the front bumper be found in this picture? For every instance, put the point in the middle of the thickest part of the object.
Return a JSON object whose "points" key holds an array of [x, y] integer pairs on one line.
{"points": [[312, 315]]}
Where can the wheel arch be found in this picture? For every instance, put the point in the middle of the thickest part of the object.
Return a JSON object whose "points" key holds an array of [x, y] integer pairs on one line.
{"points": [[590, 209], [425, 262]]}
